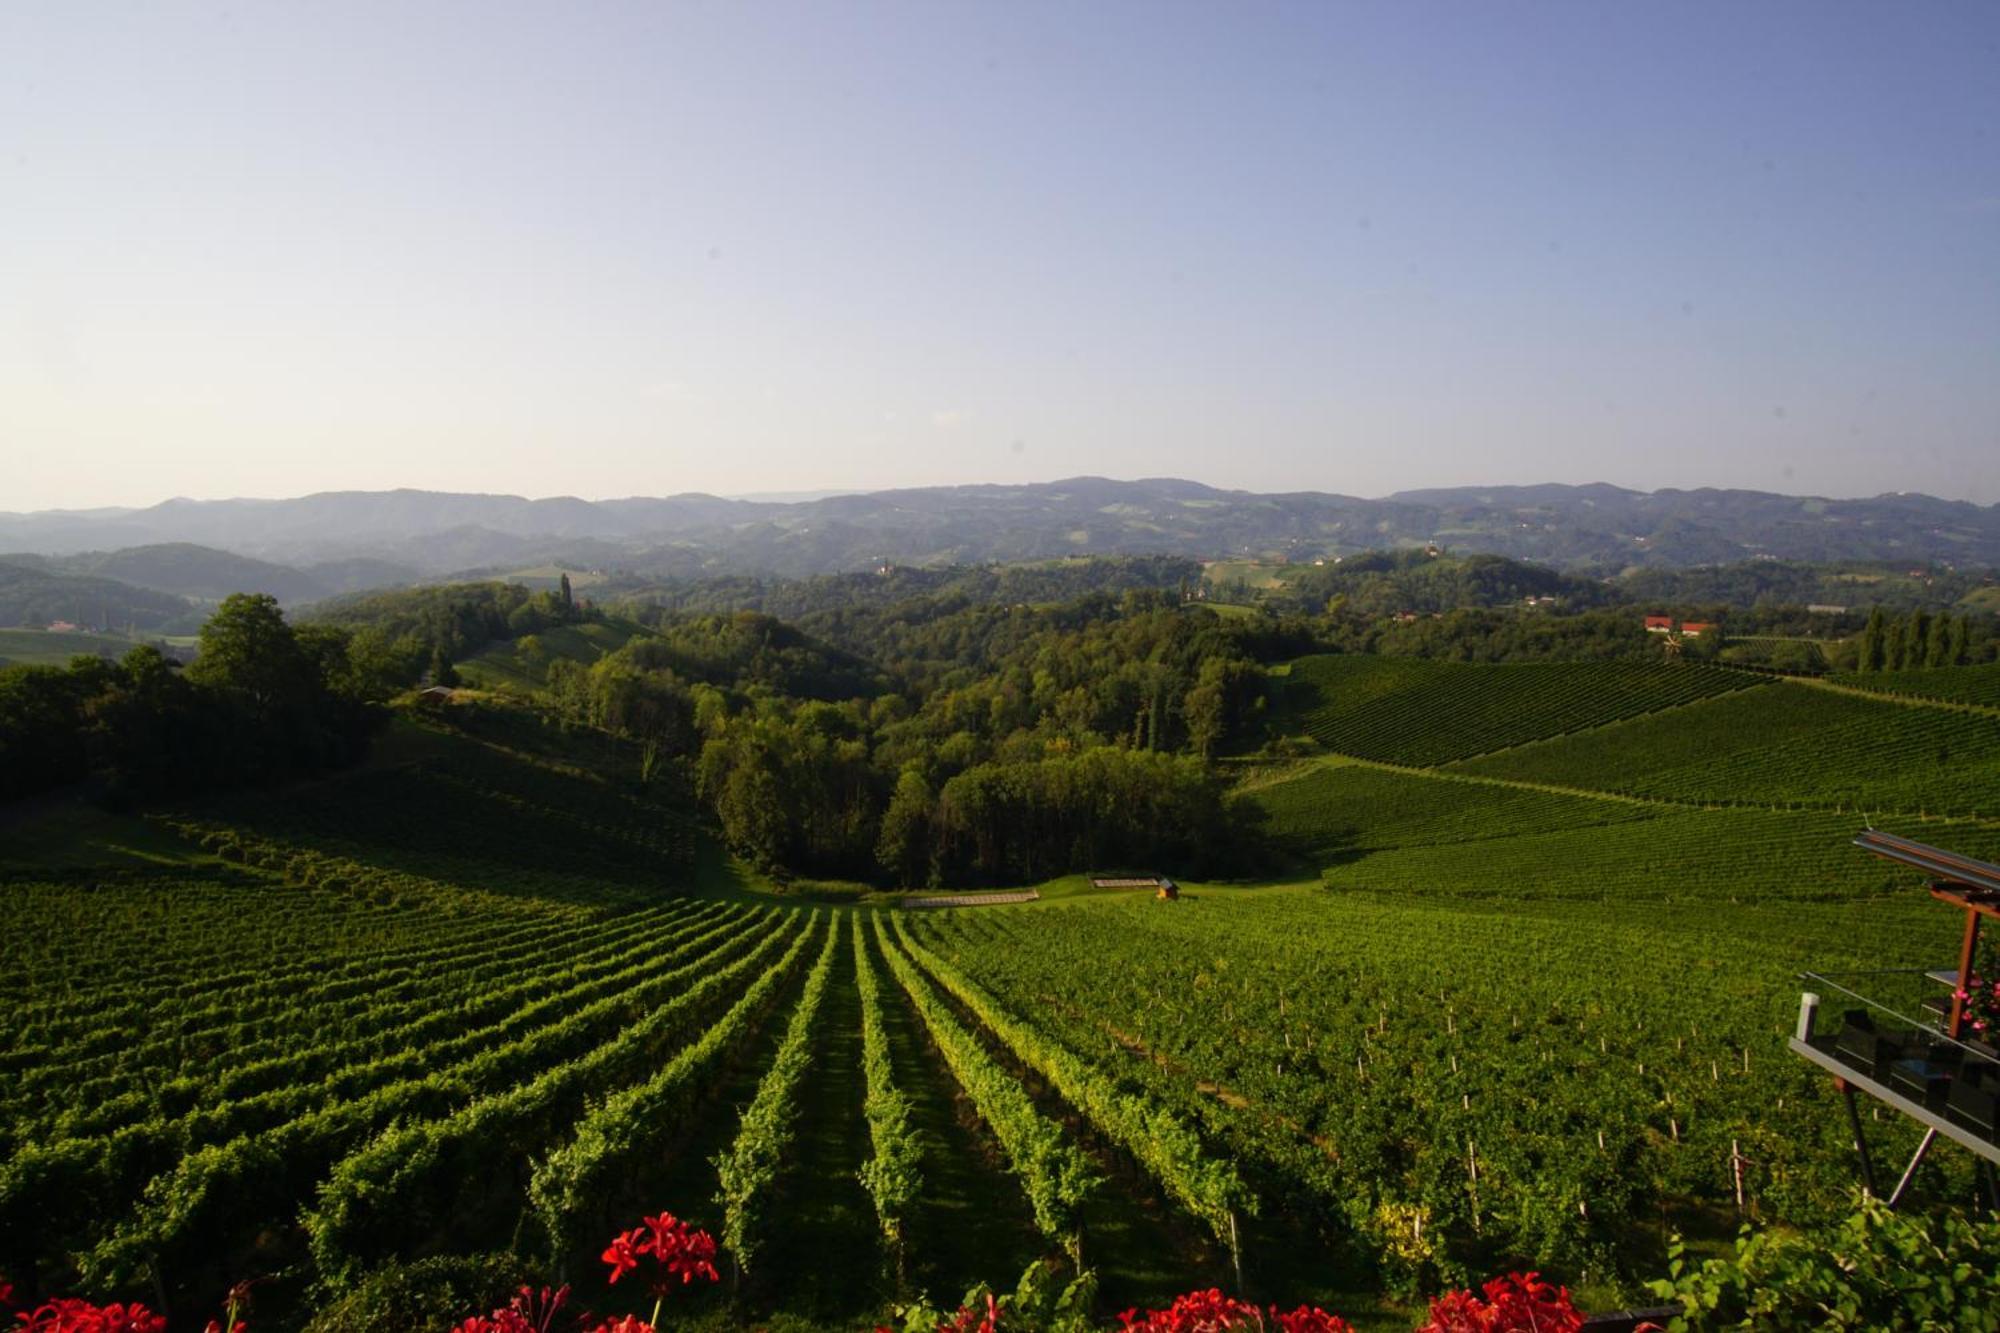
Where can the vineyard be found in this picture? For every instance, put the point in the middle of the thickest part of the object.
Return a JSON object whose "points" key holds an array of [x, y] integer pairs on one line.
{"points": [[1977, 685], [1786, 744], [494, 995], [1414, 711], [1335, 810]]}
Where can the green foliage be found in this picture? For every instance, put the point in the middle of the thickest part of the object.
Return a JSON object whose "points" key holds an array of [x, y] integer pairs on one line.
{"points": [[904, 848], [851, 605], [1721, 855], [424, 1177], [1012, 823], [745, 650], [1165, 1145], [1042, 1302], [1383, 583], [748, 1172], [794, 787], [434, 1116], [1922, 642], [1789, 743], [455, 620], [893, 1173], [1876, 1270], [572, 1187], [428, 1296], [263, 701], [1329, 811], [1055, 1175], [1418, 712], [1355, 1055], [1978, 685]]}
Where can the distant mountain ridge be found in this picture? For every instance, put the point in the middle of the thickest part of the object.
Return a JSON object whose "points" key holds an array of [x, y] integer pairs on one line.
{"points": [[1589, 527]]}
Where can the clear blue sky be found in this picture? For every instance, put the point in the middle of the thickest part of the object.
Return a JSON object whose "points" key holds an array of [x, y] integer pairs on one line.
{"points": [[263, 249]]}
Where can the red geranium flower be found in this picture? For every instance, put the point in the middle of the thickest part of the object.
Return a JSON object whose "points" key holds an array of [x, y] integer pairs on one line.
{"points": [[631, 1323], [529, 1312], [1196, 1312], [682, 1252], [70, 1315], [623, 1253], [1516, 1303]]}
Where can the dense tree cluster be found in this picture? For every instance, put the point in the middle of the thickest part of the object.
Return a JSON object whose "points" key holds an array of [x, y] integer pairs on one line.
{"points": [[1389, 582], [953, 587], [991, 744], [1473, 634], [416, 630], [1920, 641], [263, 700]]}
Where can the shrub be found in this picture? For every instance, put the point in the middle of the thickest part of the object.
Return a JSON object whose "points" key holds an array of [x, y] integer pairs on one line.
{"points": [[428, 1296], [1876, 1270]]}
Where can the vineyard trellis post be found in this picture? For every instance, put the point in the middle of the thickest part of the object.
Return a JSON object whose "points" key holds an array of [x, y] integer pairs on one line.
{"points": [[1472, 1181], [1235, 1250]]}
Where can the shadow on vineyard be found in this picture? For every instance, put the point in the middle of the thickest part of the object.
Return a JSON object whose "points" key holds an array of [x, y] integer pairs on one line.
{"points": [[968, 1229]]}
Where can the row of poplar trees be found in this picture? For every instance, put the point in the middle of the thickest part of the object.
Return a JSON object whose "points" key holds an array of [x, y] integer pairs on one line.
{"points": [[1920, 641]]}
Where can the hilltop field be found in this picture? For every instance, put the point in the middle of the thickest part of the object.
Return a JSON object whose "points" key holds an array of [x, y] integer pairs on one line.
{"points": [[1514, 993]]}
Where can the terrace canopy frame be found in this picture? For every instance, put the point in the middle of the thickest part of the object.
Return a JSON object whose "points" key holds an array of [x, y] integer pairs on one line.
{"points": [[1973, 886]]}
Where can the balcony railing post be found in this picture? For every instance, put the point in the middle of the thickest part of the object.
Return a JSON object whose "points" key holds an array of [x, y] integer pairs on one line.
{"points": [[1966, 952], [1808, 1013]]}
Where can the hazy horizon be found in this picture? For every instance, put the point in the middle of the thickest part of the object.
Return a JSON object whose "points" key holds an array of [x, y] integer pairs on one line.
{"points": [[808, 496], [615, 250]]}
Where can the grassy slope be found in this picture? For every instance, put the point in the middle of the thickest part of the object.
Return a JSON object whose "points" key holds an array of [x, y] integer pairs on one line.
{"points": [[502, 665], [40, 647]]}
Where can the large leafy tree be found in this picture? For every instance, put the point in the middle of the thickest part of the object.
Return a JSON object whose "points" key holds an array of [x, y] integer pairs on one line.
{"points": [[290, 697], [248, 651]]}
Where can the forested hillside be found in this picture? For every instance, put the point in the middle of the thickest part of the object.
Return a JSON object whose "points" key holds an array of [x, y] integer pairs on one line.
{"points": [[33, 595]]}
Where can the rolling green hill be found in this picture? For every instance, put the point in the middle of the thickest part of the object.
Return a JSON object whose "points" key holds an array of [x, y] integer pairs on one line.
{"points": [[1787, 743], [1679, 855], [1415, 711], [1337, 810], [33, 595], [488, 992], [1978, 685], [507, 664]]}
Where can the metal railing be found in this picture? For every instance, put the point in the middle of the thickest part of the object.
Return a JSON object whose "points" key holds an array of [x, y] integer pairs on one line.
{"points": [[1918, 980]]}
